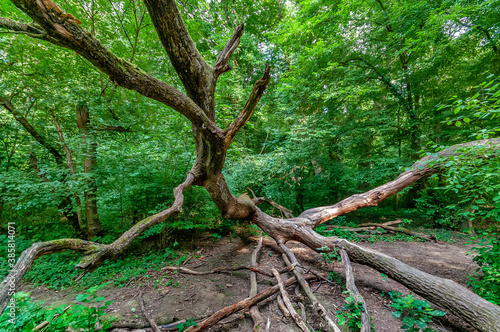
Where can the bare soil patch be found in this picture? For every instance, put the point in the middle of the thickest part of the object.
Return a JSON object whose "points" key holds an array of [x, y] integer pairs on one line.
{"points": [[174, 296]]}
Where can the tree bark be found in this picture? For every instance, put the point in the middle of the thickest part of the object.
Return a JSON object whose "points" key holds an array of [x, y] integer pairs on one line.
{"points": [[212, 143], [93, 226], [69, 160]]}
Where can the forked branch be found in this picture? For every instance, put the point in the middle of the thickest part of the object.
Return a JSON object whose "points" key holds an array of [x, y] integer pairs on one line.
{"points": [[245, 114], [64, 30], [221, 65]]}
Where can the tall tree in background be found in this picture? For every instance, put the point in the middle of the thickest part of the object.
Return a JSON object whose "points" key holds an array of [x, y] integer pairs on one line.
{"points": [[212, 143]]}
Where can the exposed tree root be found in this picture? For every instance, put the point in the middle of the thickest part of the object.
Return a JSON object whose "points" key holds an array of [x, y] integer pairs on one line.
{"points": [[289, 306], [253, 269], [351, 287], [320, 309], [147, 314], [254, 310], [248, 302]]}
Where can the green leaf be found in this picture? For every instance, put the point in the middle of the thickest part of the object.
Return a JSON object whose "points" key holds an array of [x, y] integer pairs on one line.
{"points": [[82, 297]]}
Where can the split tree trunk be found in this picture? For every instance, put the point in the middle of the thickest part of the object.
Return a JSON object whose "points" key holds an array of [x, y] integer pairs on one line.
{"points": [[197, 105]]}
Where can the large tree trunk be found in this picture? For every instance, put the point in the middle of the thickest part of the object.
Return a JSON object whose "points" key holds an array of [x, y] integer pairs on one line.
{"points": [[199, 80]]}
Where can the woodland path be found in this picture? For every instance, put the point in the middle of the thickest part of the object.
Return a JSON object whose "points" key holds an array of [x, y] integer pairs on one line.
{"points": [[195, 296]]}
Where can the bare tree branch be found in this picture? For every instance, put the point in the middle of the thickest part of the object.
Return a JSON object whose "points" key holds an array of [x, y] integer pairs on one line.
{"points": [[9, 286], [227, 311], [94, 253], [65, 30], [254, 310], [297, 272], [286, 299], [373, 197], [245, 114], [221, 65]]}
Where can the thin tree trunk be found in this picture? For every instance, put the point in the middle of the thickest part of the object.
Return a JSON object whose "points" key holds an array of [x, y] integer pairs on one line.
{"points": [[1, 209], [71, 167], [91, 214]]}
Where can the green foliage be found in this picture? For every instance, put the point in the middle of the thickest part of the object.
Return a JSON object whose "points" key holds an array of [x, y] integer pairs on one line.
{"points": [[470, 189], [414, 313], [186, 325], [335, 277], [351, 313], [480, 110], [77, 316], [486, 280], [329, 255]]}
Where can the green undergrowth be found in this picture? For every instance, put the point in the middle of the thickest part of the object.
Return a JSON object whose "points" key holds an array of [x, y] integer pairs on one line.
{"points": [[486, 279], [414, 314], [85, 314], [443, 235], [57, 271]]}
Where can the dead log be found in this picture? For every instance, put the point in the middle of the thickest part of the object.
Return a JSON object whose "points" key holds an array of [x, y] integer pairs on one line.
{"points": [[387, 223], [351, 287], [286, 299], [227, 311]]}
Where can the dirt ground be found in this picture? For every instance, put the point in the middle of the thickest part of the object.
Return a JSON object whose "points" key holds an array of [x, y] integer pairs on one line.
{"points": [[174, 296]]}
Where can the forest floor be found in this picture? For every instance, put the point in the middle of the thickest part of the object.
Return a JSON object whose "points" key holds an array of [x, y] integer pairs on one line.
{"points": [[172, 296]]}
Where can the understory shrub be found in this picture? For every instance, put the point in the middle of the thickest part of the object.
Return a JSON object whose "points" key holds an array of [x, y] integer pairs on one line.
{"points": [[415, 314], [87, 313], [486, 279]]}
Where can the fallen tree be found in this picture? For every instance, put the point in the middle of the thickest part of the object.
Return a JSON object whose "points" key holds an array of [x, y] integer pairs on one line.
{"points": [[212, 143]]}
